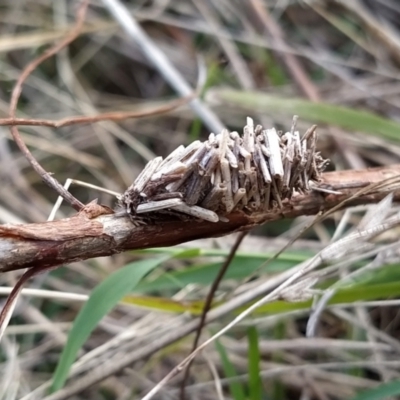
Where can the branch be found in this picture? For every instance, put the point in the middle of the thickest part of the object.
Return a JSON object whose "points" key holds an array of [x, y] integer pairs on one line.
{"points": [[97, 231], [110, 116], [16, 93]]}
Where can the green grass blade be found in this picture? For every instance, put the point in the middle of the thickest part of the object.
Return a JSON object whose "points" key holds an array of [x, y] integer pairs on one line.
{"points": [[102, 299], [347, 118], [255, 387], [236, 389], [204, 274], [381, 392]]}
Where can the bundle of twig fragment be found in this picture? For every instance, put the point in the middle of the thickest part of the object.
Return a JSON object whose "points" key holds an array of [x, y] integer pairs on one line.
{"points": [[253, 173]]}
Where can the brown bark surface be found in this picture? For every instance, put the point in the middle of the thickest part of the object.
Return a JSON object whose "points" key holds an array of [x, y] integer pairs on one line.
{"points": [[96, 231]]}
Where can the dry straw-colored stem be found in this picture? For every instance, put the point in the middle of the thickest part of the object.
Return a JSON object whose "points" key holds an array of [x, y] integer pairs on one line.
{"points": [[97, 231]]}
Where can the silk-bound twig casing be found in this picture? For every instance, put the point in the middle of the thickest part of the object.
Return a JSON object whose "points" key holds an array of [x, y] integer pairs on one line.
{"points": [[209, 180]]}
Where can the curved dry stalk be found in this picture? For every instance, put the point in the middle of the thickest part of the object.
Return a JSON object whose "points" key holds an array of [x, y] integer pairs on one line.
{"points": [[8, 308], [16, 93]]}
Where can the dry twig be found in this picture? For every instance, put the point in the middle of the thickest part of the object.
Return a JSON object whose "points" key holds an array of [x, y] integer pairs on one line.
{"points": [[110, 116], [16, 93]]}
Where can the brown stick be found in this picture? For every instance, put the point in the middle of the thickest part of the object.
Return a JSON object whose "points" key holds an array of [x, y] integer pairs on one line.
{"points": [[111, 116], [16, 93], [96, 231], [207, 306]]}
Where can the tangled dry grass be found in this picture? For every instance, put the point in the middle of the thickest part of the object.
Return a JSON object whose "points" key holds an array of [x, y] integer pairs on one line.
{"points": [[315, 321]]}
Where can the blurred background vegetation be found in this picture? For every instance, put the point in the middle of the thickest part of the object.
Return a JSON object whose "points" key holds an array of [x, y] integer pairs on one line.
{"points": [[333, 63]]}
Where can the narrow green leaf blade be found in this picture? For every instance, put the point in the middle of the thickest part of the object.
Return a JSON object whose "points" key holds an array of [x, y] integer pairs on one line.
{"points": [[204, 274], [102, 299], [345, 117], [381, 392], [235, 388], [255, 387]]}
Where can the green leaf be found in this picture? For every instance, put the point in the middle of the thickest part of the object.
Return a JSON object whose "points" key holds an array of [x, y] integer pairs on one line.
{"points": [[235, 387], [101, 301], [255, 387], [165, 304], [241, 267], [381, 392], [347, 118]]}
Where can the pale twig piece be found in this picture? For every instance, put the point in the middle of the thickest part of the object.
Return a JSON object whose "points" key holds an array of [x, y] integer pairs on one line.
{"points": [[213, 199], [265, 150], [258, 130], [59, 200], [238, 196], [313, 186], [234, 135], [223, 144], [195, 186], [174, 186], [244, 153], [245, 200], [288, 160], [170, 169], [311, 144], [226, 176], [197, 212], [174, 156], [263, 167], [248, 136], [189, 150], [247, 158], [94, 187], [146, 174], [309, 133], [235, 180], [158, 205], [217, 176], [230, 156], [235, 149], [68, 183], [211, 138], [198, 154], [303, 162], [275, 159], [296, 168], [209, 161]]}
